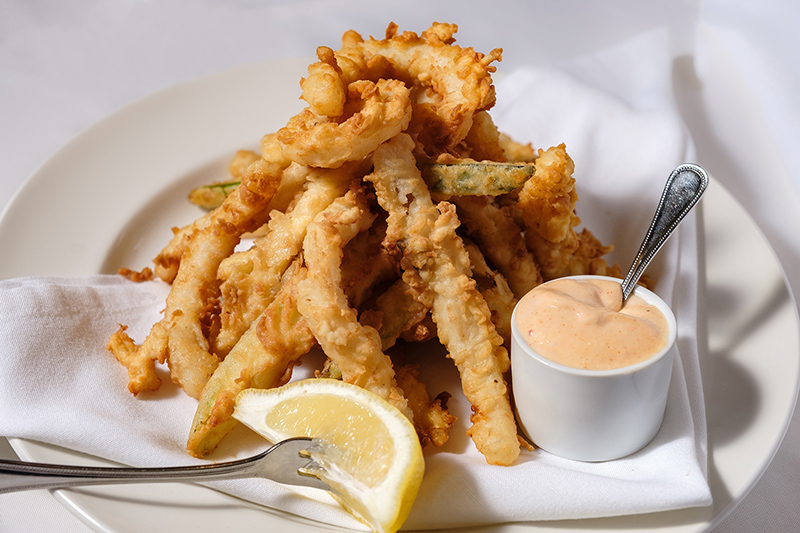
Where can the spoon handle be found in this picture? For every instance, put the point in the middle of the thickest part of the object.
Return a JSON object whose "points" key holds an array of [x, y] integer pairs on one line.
{"points": [[683, 190]]}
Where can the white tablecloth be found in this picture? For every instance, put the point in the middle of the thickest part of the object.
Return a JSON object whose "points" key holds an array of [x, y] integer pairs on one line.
{"points": [[736, 77]]}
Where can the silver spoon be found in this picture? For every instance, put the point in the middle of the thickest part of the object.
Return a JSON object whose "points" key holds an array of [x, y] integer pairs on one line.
{"points": [[286, 462], [683, 190]]}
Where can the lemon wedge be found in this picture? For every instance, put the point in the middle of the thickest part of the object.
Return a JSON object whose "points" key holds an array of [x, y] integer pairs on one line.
{"points": [[369, 451]]}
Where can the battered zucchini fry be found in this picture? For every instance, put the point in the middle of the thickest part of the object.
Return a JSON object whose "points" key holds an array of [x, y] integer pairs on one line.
{"points": [[263, 358], [211, 196], [476, 178]]}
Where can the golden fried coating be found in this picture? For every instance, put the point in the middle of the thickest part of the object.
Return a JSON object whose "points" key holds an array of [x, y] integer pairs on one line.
{"points": [[212, 195], [495, 290], [190, 361], [354, 348], [431, 418], [167, 261], [374, 112], [547, 206], [395, 311], [180, 337], [484, 140], [249, 285], [324, 90], [464, 326], [448, 83], [515, 151], [146, 274], [548, 199], [435, 260], [501, 240], [422, 331], [366, 265], [141, 370], [262, 358], [578, 254]]}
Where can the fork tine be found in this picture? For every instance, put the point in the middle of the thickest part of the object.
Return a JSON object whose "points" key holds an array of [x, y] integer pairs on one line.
{"points": [[289, 462]]}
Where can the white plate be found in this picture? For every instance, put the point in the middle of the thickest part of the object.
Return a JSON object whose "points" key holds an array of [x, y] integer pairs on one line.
{"points": [[109, 197]]}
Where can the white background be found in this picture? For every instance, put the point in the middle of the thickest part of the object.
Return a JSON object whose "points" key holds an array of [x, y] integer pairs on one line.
{"points": [[66, 65]]}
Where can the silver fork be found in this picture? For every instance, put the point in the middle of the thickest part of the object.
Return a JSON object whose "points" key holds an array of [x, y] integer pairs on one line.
{"points": [[286, 462]]}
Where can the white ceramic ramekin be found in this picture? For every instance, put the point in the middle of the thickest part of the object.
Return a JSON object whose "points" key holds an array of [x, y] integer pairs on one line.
{"points": [[591, 415]]}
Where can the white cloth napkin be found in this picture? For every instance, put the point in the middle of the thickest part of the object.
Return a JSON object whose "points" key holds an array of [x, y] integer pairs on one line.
{"points": [[59, 385]]}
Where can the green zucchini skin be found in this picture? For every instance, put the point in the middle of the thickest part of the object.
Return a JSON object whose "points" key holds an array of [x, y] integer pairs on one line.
{"points": [[476, 178], [211, 196]]}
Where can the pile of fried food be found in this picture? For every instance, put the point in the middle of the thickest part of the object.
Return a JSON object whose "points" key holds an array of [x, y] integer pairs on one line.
{"points": [[390, 210]]}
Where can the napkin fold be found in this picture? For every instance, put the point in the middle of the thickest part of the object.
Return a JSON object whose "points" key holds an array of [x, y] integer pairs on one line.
{"points": [[59, 384]]}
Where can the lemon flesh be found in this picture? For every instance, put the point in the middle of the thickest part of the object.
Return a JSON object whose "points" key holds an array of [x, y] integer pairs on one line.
{"points": [[370, 453]]}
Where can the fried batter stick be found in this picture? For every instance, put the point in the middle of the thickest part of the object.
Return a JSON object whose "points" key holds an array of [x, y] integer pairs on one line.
{"points": [[179, 337], [501, 240], [292, 179], [248, 287], [495, 290], [436, 262], [396, 310], [547, 207], [366, 265], [354, 348]]}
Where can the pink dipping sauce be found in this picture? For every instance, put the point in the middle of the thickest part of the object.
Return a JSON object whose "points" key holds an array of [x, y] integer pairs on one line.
{"points": [[582, 324]]}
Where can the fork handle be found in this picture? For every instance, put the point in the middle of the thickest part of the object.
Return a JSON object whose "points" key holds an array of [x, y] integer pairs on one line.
{"points": [[286, 462], [21, 475]]}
